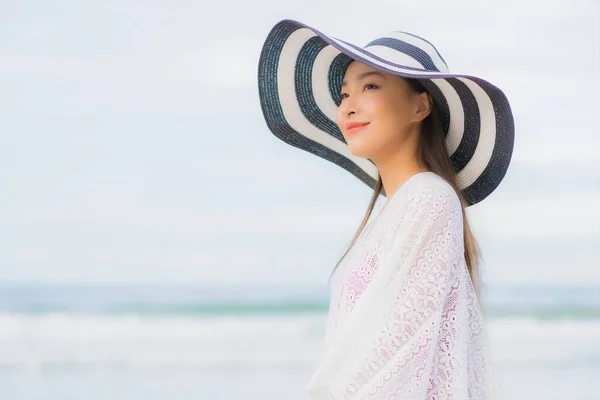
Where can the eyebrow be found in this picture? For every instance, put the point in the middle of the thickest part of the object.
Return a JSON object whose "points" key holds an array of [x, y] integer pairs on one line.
{"points": [[363, 75]]}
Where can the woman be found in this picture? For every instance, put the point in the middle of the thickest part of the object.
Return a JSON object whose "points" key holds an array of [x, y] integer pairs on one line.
{"points": [[405, 321]]}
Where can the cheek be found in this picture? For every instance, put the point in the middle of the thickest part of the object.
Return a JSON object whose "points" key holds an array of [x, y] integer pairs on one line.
{"points": [[372, 106], [338, 117], [383, 116]]}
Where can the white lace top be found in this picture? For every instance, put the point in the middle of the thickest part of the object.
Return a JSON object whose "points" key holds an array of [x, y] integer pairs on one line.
{"points": [[404, 319]]}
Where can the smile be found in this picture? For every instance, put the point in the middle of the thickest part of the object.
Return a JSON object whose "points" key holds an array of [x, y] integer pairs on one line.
{"points": [[354, 127]]}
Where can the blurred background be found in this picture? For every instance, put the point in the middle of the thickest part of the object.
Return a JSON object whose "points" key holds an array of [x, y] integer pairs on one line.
{"points": [[158, 242]]}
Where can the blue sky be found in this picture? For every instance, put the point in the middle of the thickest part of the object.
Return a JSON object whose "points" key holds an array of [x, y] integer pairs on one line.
{"points": [[133, 149]]}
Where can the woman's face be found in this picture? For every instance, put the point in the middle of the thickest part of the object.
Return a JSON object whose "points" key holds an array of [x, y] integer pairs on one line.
{"points": [[379, 112]]}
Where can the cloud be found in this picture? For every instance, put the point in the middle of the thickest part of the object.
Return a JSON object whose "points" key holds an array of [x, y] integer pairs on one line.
{"points": [[564, 215], [135, 148]]}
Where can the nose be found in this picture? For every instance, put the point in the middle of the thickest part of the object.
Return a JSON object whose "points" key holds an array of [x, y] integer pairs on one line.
{"points": [[348, 106]]}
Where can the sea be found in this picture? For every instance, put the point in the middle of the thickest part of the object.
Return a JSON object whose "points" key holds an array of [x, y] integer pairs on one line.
{"points": [[151, 342]]}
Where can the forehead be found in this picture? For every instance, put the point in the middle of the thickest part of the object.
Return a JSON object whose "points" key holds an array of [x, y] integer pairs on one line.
{"points": [[355, 68], [356, 72]]}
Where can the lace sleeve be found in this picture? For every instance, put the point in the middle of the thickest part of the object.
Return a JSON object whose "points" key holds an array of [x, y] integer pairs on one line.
{"points": [[417, 332]]}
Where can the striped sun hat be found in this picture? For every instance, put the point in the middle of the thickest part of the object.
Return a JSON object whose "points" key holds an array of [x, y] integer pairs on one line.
{"points": [[300, 75]]}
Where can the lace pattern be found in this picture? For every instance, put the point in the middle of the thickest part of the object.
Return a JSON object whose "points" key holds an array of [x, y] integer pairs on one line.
{"points": [[409, 324]]}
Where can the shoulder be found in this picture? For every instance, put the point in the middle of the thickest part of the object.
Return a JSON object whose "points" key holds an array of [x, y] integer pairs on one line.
{"points": [[427, 205], [430, 190], [430, 184]]}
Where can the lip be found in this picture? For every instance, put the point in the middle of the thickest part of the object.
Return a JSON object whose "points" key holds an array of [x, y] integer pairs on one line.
{"points": [[352, 127]]}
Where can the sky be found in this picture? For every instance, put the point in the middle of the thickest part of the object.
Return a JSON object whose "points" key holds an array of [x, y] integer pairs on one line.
{"points": [[133, 148]]}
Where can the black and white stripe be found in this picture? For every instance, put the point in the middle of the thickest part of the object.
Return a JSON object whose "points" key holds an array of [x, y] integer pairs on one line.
{"points": [[300, 73]]}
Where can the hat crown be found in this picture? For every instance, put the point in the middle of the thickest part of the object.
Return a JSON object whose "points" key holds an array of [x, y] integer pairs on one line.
{"points": [[409, 50]]}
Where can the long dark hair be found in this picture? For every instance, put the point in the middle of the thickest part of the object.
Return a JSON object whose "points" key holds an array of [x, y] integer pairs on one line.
{"points": [[433, 152]]}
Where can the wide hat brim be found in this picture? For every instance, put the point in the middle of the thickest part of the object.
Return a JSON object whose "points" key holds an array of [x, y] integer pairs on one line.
{"points": [[300, 74]]}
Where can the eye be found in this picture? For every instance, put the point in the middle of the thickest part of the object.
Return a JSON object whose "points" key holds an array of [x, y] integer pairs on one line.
{"points": [[368, 86]]}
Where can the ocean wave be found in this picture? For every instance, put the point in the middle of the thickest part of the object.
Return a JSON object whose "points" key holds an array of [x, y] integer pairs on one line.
{"points": [[543, 303], [77, 327], [62, 342], [74, 327], [67, 342], [274, 309]]}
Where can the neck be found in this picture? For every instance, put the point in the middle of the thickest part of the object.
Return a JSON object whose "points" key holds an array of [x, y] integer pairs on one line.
{"points": [[397, 169]]}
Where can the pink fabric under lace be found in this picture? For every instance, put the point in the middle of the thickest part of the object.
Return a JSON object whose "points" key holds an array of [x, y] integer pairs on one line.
{"points": [[405, 322]]}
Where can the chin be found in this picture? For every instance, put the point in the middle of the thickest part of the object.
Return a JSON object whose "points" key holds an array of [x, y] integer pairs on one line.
{"points": [[359, 148]]}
